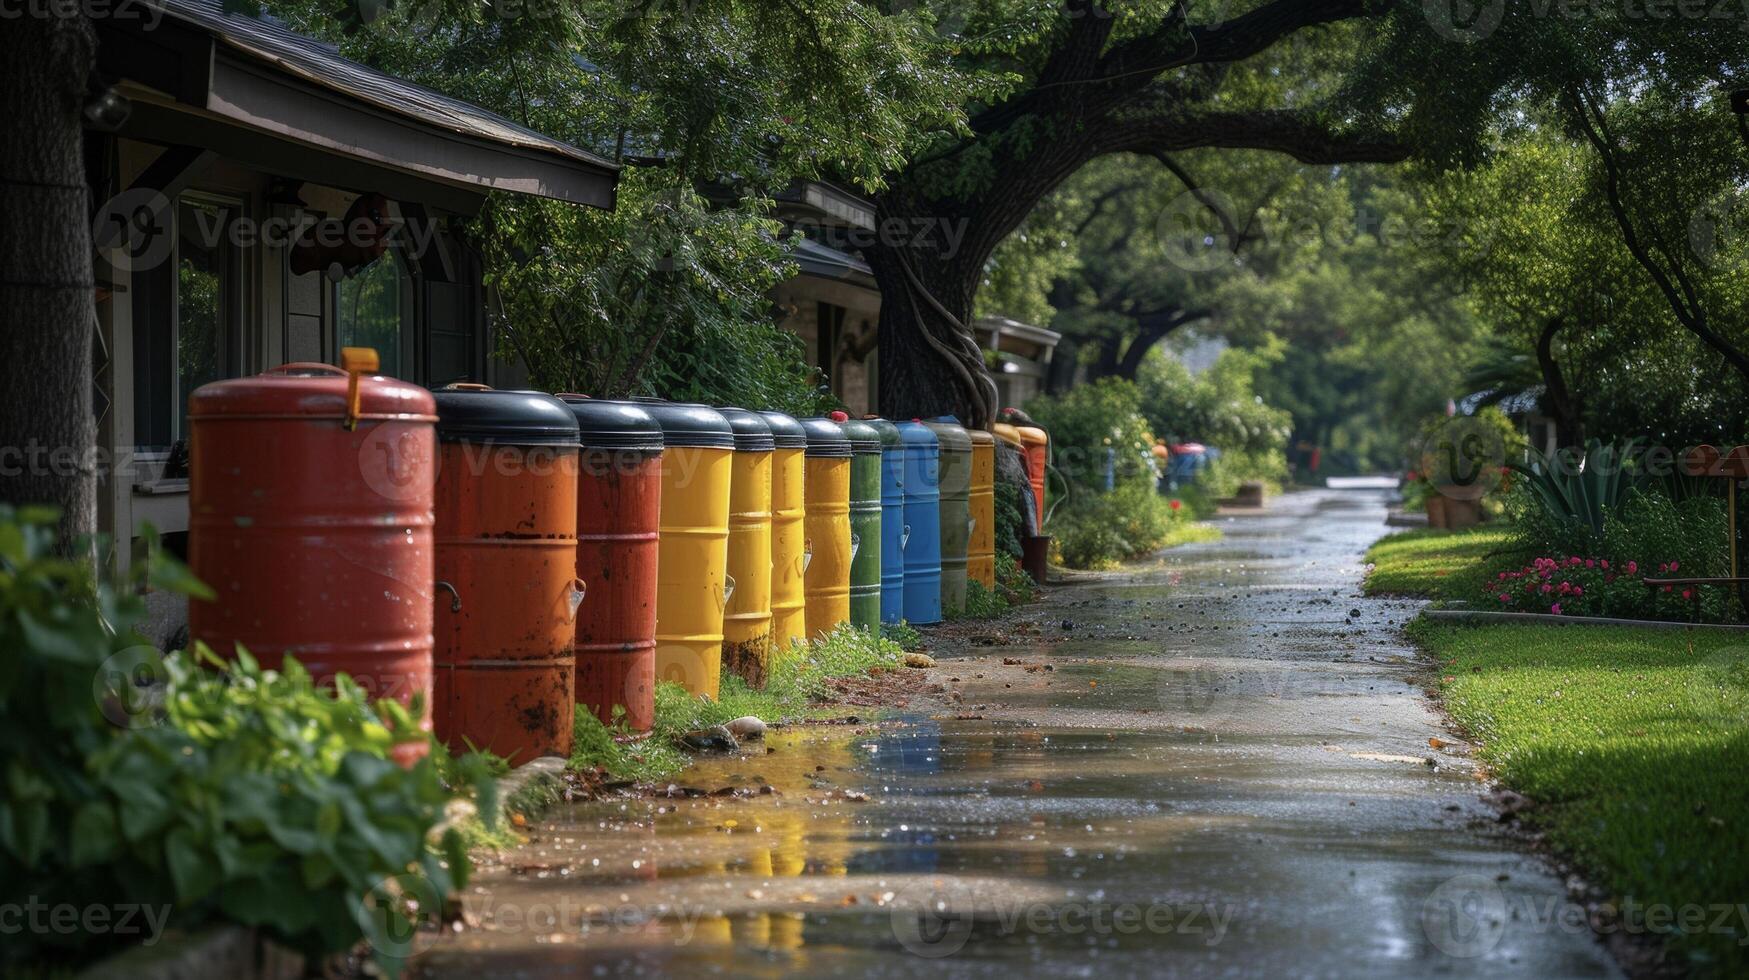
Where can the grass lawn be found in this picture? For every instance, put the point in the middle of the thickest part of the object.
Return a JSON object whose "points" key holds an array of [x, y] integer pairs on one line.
{"points": [[1634, 744], [1439, 564]]}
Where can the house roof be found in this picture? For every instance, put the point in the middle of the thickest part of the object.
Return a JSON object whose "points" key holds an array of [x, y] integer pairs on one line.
{"points": [[256, 72], [816, 259], [1001, 326], [1512, 403]]}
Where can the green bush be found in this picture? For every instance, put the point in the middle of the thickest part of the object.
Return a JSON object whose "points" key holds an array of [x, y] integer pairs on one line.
{"points": [[1100, 530], [214, 792], [1087, 421], [1579, 572], [1010, 522], [1220, 408]]}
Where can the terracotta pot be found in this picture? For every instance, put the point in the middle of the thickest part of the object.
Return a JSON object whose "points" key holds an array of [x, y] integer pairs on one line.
{"points": [[1460, 514], [1436, 511]]}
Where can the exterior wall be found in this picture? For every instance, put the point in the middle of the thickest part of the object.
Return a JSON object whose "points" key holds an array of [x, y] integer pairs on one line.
{"points": [[851, 363], [278, 318]]}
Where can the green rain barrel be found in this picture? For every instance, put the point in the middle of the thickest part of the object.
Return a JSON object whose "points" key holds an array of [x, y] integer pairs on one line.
{"points": [[865, 521], [956, 510], [892, 520]]}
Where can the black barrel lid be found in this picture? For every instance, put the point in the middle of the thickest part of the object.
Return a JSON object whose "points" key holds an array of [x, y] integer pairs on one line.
{"points": [[826, 439], [685, 424], [607, 424], [752, 432], [865, 439], [788, 432], [476, 413]]}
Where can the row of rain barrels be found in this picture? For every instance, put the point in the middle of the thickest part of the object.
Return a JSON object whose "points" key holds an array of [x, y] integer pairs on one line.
{"points": [[507, 556]]}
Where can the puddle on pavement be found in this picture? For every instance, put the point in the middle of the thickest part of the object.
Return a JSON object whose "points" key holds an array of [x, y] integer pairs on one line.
{"points": [[1225, 774]]}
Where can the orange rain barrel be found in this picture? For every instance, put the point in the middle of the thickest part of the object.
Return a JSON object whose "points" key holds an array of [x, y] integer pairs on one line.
{"points": [[747, 618], [981, 556], [826, 579], [313, 524], [692, 573], [619, 494], [507, 552], [1037, 444], [789, 619]]}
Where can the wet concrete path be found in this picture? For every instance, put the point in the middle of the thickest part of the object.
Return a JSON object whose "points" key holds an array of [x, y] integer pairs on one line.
{"points": [[1225, 771]]}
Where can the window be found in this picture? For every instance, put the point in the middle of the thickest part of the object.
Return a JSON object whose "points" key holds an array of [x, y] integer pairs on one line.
{"points": [[187, 316], [372, 307]]}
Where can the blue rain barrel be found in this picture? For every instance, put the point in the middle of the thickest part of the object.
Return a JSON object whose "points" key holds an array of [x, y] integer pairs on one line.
{"points": [[922, 543], [892, 520]]}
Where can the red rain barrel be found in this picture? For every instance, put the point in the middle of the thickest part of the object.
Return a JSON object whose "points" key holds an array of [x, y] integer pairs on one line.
{"points": [[619, 519], [310, 516], [507, 546]]}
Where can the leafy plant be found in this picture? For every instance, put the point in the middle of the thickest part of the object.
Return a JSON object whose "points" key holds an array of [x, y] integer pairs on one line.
{"points": [[903, 634], [1101, 530], [1093, 424], [213, 791], [1582, 489]]}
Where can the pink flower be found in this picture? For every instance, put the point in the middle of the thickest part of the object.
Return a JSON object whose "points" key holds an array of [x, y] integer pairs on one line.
{"points": [[1556, 609], [1502, 576], [1590, 563], [1606, 564], [1633, 568], [1578, 590], [1547, 588], [1688, 594], [1573, 560], [1505, 597], [1675, 566]]}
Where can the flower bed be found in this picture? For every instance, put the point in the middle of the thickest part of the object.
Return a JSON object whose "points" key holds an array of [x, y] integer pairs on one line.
{"points": [[1592, 586]]}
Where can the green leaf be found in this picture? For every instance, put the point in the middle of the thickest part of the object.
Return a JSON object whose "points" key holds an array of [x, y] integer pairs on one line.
{"points": [[192, 868], [95, 835]]}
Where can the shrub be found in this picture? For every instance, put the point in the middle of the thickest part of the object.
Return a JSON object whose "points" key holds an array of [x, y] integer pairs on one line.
{"points": [[1221, 408], [1009, 519], [1648, 535], [1089, 420], [1100, 530], [224, 794]]}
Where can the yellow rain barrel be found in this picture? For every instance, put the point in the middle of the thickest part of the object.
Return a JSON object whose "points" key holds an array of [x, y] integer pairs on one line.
{"points": [[789, 606], [747, 619], [826, 576], [981, 556], [692, 573]]}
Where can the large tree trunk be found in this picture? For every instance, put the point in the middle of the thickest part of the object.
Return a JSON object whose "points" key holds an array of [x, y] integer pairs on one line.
{"points": [[1560, 399], [47, 433], [930, 363]]}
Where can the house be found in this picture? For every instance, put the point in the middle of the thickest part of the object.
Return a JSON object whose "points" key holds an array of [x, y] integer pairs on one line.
{"points": [[1018, 356], [833, 303], [268, 201]]}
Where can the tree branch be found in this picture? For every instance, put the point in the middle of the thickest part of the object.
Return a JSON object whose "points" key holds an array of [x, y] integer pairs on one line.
{"points": [[1294, 133]]}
